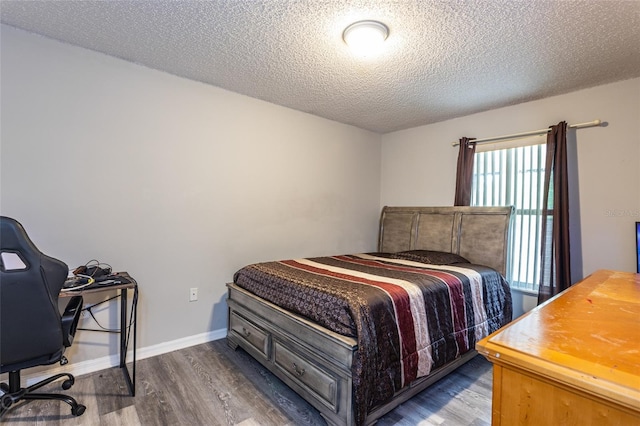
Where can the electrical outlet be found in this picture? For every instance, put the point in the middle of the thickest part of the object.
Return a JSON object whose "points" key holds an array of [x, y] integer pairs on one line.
{"points": [[193, 294]]}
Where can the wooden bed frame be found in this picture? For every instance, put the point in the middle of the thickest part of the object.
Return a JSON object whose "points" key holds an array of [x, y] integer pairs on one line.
{"points": [[316, 362]]}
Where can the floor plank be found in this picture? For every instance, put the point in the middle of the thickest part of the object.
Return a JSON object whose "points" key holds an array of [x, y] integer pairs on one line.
{"points": [[211, 384]]}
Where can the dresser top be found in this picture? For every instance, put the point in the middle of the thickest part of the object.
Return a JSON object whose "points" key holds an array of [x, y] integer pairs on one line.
{"points": [[590, 334]]}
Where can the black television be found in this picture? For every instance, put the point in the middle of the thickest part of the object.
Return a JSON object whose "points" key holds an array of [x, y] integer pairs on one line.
{"points": [[638, 247]]}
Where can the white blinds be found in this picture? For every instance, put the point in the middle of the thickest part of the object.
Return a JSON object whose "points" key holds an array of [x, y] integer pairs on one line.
{"points": [[515, 176]]}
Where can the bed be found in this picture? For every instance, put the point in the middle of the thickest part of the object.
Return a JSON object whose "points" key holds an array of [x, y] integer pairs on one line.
{"points": [[358, 334]]}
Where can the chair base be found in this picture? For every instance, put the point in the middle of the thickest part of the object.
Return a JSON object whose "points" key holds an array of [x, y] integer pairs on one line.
{"points": [[14, 393]]}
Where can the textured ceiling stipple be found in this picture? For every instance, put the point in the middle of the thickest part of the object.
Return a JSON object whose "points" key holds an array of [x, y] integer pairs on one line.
{"points": [[443, 59]]}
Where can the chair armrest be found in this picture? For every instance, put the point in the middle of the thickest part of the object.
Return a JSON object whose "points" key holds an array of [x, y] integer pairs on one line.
{"points": [[70, 319]]}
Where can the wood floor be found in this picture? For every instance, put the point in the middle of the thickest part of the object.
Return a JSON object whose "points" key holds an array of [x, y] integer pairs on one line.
{"points": [[210, 384]]}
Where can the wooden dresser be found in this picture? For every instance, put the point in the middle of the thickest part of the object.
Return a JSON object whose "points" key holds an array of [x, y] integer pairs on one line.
{"points": [[574, 360]]}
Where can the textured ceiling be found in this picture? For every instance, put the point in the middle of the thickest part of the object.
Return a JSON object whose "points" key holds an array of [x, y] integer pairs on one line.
{"points": [[443, 59]]}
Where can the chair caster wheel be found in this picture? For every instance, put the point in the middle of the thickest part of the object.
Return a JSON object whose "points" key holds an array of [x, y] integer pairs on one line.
{"points": [[79, 410], [6, 401], [68, 383]]}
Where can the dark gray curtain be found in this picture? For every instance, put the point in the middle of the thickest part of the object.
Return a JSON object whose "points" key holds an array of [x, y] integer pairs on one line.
{"points": [[555, 263], [464, 174]]}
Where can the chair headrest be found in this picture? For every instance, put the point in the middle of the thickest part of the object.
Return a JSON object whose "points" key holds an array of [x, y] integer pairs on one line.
{"points": [[15, 245]]}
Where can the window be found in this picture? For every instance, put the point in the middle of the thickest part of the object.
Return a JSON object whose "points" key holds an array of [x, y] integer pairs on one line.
{"points": [[515, 176]]}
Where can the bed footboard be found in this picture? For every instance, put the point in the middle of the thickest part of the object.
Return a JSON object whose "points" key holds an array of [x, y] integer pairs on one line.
{"points": [[312, 360]]}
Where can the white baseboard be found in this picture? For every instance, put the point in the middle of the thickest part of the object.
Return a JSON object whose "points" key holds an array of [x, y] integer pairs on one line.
{"points": [[93, 365]]}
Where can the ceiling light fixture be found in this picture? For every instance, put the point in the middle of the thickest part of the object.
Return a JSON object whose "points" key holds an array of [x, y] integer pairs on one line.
{"points": [[365, 37]]}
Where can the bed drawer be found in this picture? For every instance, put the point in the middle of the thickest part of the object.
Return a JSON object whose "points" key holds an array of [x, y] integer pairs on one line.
{"points": [[250, 333], [310, 377]]}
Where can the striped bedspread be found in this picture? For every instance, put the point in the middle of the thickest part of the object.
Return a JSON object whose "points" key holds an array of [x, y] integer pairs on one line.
{"points": [[409, 318]]}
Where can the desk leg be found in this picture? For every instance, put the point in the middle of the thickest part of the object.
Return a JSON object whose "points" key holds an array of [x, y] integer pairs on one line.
{"points": [[134, 313], [124, 336], [123, 327]]}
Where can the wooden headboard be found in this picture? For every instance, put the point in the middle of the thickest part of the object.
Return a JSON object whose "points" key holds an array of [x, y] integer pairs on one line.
{"points": [[479, 234]]}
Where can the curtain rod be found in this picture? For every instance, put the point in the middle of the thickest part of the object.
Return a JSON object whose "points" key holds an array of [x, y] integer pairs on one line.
{"points": [[593, 123]]}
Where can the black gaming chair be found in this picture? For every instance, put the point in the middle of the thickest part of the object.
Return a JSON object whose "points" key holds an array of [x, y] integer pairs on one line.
{"points": [[32, 332]]}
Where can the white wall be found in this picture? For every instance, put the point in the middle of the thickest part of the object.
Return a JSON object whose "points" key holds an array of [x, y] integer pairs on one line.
{"points": [[418, 167], [177, 182]]}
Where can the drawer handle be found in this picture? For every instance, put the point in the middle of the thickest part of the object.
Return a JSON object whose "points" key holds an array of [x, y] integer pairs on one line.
{"points": [[245, 332], [299, 372]]}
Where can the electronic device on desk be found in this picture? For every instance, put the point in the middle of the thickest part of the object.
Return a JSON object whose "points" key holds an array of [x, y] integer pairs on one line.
{"points": [[111, 279], [93, 269], [77, 282], [93, 274]]}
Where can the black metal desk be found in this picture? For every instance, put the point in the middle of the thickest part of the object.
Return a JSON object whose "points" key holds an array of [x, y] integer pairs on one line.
{"points": [[128, 320]]}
